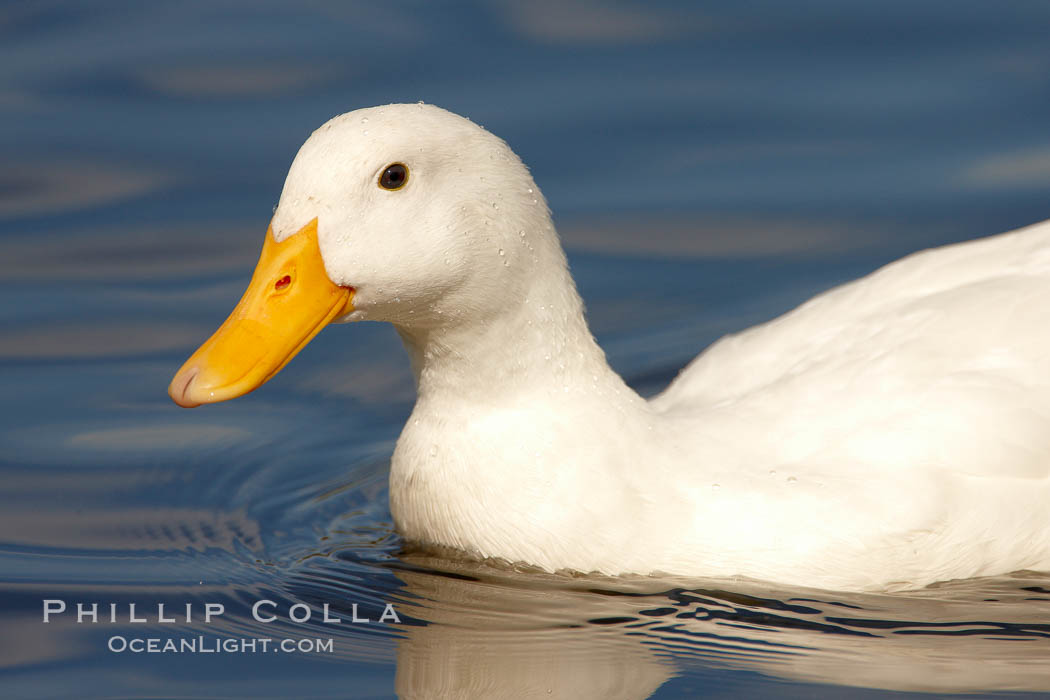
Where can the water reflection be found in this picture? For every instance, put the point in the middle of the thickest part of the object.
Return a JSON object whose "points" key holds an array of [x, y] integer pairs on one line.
{"points": [[134, 255], [487, 639], [1028, 169], [95, 340], [101, 533], [55, 186], [237, 82], [493, 633], [728, 238], [550, 21]]}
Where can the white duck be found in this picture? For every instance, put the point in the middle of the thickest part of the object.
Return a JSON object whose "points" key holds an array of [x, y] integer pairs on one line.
{"points": [[889, 433]]}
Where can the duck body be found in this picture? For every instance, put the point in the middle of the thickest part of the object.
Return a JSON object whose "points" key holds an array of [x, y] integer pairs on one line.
{"points": [[889, 433]]}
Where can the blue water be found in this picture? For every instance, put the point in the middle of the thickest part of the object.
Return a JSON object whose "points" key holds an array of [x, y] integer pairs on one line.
{"points": [[710, 165]]}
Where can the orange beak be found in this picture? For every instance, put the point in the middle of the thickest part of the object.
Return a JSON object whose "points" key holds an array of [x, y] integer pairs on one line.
{"points": [[290, 299]]}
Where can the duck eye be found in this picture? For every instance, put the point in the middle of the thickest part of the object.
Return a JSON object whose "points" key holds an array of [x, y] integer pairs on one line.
{"points": [[394, 177]]}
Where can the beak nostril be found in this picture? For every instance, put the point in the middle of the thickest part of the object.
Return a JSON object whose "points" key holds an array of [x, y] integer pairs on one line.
{"points": [[282, 283]]}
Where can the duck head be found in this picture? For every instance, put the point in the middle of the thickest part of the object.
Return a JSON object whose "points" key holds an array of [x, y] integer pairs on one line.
{"points": [[403, 213]]}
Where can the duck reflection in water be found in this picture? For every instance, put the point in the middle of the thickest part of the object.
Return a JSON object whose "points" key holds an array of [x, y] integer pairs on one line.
{"points": [[498, 633]]}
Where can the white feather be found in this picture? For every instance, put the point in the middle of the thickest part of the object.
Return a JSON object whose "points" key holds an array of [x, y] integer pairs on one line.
{"points": [[892, 432]]}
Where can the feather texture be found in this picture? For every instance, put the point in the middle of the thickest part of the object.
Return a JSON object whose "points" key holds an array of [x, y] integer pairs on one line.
{"points": [[889, 433]]}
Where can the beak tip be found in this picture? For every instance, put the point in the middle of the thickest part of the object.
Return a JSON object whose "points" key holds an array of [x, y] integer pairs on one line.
{"points": [[179, 389], [270, 324]]}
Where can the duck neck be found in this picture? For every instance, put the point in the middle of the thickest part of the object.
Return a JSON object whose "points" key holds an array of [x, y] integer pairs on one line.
{"points": [[538, 341]]}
